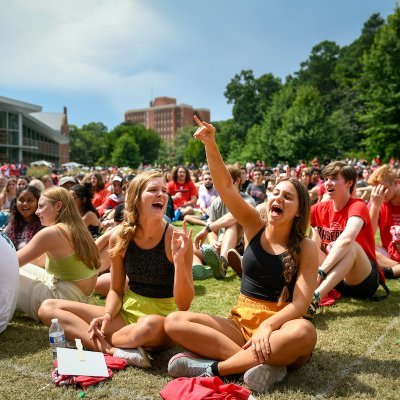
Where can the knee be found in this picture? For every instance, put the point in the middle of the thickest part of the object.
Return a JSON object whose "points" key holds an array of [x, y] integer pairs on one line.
{"points": [[306, 334], [152, 326], [173, 322], [47, 311]]}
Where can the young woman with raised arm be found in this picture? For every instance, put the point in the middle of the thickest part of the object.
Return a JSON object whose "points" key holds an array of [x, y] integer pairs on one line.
{"points": [[265, 332]]}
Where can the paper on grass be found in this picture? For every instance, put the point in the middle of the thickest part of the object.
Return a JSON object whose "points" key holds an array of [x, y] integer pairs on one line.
{"points": [[69, 363]]}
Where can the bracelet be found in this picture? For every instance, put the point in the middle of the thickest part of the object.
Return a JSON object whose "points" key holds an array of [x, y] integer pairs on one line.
{"points": [[208, 229], [322, 274], [108, 312]]}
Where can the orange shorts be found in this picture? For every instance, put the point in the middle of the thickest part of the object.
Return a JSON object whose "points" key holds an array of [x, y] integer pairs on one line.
{"points": [[250, 312]]}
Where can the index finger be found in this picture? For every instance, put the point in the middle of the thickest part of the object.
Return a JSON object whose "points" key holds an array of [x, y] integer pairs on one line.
{"points": [[197, 120]]}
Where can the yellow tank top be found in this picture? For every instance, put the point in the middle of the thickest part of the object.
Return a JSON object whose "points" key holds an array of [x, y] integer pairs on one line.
{"points": [[69, 268]]}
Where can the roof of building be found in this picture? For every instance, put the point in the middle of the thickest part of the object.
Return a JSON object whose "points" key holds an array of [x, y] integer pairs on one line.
{"points": [[51, 119], [20, 106]]}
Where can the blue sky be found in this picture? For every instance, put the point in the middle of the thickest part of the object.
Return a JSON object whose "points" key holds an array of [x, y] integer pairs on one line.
{"points": [[100, 58]]}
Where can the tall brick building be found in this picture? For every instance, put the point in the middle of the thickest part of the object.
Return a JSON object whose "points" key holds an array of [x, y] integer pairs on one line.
{"points": [[166, 117]]}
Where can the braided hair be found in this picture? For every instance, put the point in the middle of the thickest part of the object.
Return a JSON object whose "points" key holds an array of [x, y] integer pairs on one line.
{"points": [[297, 234]]}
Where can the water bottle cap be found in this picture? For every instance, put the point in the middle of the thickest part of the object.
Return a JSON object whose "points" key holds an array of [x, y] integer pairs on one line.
{"points": [[54, 320]]}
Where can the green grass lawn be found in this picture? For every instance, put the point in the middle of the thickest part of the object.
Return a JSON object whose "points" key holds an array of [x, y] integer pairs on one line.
{"points": [[357, 355]]}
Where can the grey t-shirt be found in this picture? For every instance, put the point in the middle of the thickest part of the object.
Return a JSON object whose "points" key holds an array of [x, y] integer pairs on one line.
{"points": [[218, 209]]}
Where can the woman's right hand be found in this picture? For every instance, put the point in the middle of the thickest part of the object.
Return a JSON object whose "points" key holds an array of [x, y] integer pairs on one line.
{"points": [[205, 131], [98, 326]]}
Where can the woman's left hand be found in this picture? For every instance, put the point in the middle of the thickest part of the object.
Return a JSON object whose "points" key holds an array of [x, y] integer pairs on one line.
{"points": [[181, 241], [259, 344]]}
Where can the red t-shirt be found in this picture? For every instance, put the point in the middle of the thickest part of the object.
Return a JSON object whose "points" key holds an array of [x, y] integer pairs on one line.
{"points": [[188, 190], [331, 224], [100, 197], [389, 215]]}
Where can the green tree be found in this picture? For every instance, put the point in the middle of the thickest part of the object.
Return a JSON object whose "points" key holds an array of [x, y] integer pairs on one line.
{"points": [[318, 71], [381, 91], [251, 97], [126, 152], [262, 140], [304, 130], [87, 144], [148, 140]]}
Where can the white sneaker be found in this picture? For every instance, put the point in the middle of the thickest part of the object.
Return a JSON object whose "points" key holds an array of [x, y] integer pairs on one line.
{"points": [[136, 357], [261, 377]]}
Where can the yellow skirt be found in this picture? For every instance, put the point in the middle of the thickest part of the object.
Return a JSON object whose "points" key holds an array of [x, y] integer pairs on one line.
{"points": [[249, 313], [135, 306]]}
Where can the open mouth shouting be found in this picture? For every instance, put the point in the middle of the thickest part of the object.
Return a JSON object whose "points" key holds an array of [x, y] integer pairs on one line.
{"points": [[276, 210], [158, 204]]}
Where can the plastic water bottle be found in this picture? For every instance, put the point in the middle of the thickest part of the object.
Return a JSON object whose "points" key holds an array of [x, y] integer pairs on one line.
{"points": [[56, 336], [177, 214]]}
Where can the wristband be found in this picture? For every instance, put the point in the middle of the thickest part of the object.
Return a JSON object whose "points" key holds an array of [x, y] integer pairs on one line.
{"points": [[108, 312], [208, 229], [322, 274]]}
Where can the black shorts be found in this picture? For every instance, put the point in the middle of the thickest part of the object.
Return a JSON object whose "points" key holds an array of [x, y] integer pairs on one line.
{"points": [[363, 290]]}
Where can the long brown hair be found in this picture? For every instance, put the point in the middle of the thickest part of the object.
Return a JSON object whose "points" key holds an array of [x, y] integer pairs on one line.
{"points": [[297, 234], [132, 201], [83, 243]]}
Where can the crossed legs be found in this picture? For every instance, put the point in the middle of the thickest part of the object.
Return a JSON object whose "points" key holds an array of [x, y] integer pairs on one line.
{"points": [[221, 340]]}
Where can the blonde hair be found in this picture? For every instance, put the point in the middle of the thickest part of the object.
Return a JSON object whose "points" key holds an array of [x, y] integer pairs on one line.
{"points": [[132, 201], [83, 243], [6, 187], [384, 173]]}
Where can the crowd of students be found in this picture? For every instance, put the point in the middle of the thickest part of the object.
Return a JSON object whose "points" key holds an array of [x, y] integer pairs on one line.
{"points": [[291, 234]]}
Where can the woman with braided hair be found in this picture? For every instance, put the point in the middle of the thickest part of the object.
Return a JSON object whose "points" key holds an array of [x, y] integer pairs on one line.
{"points": [[265, 333]]}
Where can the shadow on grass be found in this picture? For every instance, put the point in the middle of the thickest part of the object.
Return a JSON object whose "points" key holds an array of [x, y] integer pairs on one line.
{"points": [[23, 336], [329, 374], [332, 373], [347, 307]]}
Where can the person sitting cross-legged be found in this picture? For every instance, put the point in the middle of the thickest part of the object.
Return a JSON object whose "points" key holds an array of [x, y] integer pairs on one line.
{"points": [[265, 332], [183, 192], [157, 260], [343, 232], [384, 209]]}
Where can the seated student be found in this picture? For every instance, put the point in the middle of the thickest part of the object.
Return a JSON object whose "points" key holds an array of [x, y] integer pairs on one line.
{"points": [[100, 192], [223, 232], [384, 208], [9, 279], [82, 194], [183, 192], [115, 198], [207, 194], [72, 258], [24, 223], [67, 182], [8, 194], [343, 232], [257, 188], [157, 260], [265, 333]]}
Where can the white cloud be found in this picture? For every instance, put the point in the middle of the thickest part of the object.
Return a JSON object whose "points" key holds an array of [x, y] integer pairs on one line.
{"points": [[91, 44]]}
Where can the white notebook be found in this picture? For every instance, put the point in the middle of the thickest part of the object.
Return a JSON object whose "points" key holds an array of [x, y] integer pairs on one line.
{"points": [[71, 362]]}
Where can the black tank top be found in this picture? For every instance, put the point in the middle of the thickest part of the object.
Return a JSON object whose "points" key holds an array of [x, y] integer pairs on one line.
{"points": [[263, 272], [150, 272]]}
